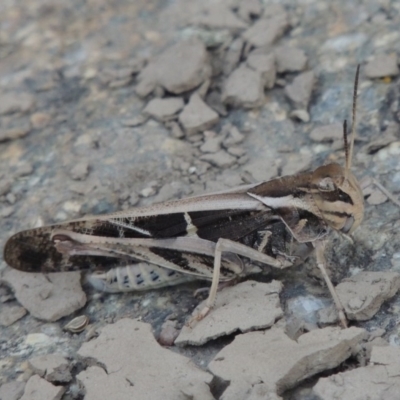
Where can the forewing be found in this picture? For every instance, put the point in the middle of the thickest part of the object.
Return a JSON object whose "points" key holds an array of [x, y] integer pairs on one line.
{"points": [[34, 251]]}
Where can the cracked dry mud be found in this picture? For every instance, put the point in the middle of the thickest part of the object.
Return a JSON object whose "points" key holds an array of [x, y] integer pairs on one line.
{"points": [[105, 106]]}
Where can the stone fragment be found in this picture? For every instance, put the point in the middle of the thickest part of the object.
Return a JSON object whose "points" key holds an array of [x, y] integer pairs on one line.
{"points": [[176, 130], [296, 162], [327, 132], [281, 363], [48, 298], [197, 116], [10, 314], [203, 88], [265, 65], [243, 88], [236, 151], [5, 186], [148, 191], [52, 367], [114, 349], [135, 121], [168, 333], [233, 135], [302, 312], [72, 206], [39, 389], [249, 9], [7, 211], [180, 68], [80, 171], [219, 16], [290, 59], [37, 340], [164, 109], [249, 391], [220, 159], [375, 196], [40, 120], [300, 115], [120, 76], [384, 139], [232, 56], [274, 10], [244, 307], [11, 198], [381, 66], [363, 294], [261, 169], [299, 91], [213, 99], [12, 390], [377, 342], [172, 190], [212, 143], [16, 102], [14, 133], [377, 381], [266, 31], [24, 169]]}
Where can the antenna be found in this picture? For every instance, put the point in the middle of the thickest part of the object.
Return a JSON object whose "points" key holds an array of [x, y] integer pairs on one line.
{"points": [[346, 143], [349, 152]]}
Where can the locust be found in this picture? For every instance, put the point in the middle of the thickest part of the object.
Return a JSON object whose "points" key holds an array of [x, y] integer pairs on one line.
{"points": [[212, 237]]}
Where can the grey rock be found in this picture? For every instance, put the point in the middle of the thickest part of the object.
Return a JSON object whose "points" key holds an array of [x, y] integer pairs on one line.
{"points": [[377, 381], [16, 102], [197, 116], [14, 133], [164, 109], [7, 211], [290, 59], [325, 133], [214, 100], [266, 31], [218, 16], [301, 115], [281, 363], [265, 65], [53, 367], [114, 348], [299, 91], [47, 299], [9, 314], [179, 68], [232, 135], [363, 294], [244, 307], [244, 88], [12, 390], [219, 159], [80, 171], [5, 186], [249, 9], [176, 130], [382, 65], [38, 388], [212, 143], [232, 56]]}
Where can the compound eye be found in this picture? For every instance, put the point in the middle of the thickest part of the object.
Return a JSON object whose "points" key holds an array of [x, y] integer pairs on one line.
{"points": [[326, 185]]}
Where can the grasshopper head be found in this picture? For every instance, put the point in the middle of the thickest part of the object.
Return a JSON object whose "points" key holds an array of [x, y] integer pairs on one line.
{"points": [[338, 197], [335, 189]]}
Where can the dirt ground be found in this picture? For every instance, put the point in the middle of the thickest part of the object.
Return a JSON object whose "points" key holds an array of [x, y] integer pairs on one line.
{"points": [[109, 105]]}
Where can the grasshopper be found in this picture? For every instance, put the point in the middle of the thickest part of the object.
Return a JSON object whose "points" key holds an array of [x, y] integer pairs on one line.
{"points": [[212, 237]]}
